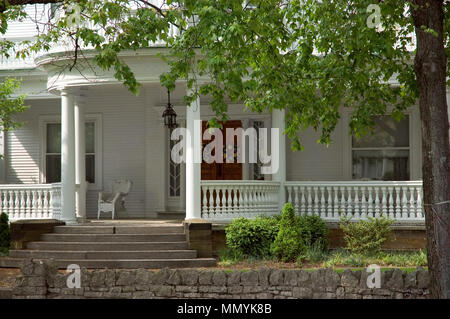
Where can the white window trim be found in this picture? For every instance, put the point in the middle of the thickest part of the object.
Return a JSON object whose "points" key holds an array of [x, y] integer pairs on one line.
{"points": [[97, 118], [415, 143]]}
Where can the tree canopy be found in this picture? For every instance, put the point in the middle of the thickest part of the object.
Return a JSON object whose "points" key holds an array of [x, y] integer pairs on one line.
{"points": [[308, 57]]}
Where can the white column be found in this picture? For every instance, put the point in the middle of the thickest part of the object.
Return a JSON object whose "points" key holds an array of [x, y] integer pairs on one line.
{"points": [[278, 121], [193, 160], [67, 158], [80, 157]]}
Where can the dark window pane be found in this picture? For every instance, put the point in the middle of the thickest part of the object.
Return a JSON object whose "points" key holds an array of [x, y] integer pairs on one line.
{"points": [[53, 138], [381, 165], [386, 133], [90, 168], [90, 137], [53, 168]]}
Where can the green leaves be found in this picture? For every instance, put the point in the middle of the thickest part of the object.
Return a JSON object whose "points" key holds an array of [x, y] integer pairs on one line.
{"points": [[10, 106], [308, 57]]}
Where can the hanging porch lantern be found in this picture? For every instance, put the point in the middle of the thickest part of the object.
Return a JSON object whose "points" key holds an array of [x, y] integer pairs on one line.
{"points": [[169, 114]]}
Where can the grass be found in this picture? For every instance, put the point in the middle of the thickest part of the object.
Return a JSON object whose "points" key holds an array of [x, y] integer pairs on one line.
{"points": [[340, 258]]}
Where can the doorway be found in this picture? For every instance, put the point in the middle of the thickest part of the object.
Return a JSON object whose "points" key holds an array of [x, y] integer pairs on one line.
{"points": [[222, 171]]}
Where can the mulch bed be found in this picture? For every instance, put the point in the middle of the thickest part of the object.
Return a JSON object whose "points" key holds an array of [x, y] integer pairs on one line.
{"points": [[8, 276]]}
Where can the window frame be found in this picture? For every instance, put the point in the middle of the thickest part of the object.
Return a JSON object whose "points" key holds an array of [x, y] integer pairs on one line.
{"points": [[169, 162], [387, 148], [98, 127]]}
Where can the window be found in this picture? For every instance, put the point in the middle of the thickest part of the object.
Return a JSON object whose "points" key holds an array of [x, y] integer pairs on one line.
{"points": [[383, 155], [53, 152], [174, 171]]}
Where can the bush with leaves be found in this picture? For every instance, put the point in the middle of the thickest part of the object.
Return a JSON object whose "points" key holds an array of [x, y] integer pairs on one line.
{"points": [[366, 236], [314, 231], [5, 238], [288, 244], [251, 237]]}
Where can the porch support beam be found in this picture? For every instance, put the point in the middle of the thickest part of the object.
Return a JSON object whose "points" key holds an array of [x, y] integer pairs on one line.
{"points": [[193, 161], [67, 158], [278, 121], [80, 157]]}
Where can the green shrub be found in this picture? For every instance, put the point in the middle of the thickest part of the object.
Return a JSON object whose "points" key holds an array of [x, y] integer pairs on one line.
{"points": [[288, 244], [5, 238], [251, 237], [314, 231], [366, 236]]}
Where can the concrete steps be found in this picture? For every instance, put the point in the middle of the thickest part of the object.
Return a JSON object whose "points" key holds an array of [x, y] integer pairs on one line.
{"points": [[114, 246], [153, 230], [100, 238]]}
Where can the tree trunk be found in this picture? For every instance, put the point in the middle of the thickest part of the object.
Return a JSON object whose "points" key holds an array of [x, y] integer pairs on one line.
{"points": [[430, 67]]}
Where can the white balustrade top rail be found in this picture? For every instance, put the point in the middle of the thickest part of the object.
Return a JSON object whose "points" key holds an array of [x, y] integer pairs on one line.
{"points": [[399, 200], [229, 199], [31, 201]]}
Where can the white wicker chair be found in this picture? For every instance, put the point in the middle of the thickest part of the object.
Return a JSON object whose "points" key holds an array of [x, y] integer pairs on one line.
{"points": [[115, 200]]}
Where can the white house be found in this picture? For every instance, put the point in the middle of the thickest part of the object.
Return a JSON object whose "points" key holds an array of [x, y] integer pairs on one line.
{"points": [[84, 125]]}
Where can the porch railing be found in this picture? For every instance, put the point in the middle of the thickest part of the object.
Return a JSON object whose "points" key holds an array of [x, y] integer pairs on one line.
{"points": [[226, 200], [399, 200], [31, 201]]}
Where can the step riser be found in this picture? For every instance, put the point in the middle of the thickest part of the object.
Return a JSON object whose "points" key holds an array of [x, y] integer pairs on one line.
{"points": [[185, 254], [106, 246], [145, 230], [111, 238]]}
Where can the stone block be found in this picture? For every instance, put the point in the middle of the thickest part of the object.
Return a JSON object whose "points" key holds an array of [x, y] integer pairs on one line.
{"points": [[189, 277], [234, 278], [302, 292], [348, 279], [276, 278], [249, 278], [219, 278], [125, 278], [205, 277], [199, 237]]}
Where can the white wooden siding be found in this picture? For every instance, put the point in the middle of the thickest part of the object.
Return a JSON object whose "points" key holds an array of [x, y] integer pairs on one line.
{"points": [[22, 145], [317, 161], [27, 28]]}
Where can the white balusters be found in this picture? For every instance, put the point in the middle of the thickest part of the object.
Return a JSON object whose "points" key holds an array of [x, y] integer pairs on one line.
{"points": [[404, 204], [356, 203], [412, 208], [297, 206], [302, 201], [363, 203], [377, 202], [419, 211], [349, 203], [336, 203], [398, 207], [384, 202], [330, 202], [323, 208], [391, 203], [226, 200]]}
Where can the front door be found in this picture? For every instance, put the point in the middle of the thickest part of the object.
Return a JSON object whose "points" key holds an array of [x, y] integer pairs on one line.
{"points": [[222, 171]]}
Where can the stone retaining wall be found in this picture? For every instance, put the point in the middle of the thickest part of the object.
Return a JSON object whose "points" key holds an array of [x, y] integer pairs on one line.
{"points": [[42, 280]]}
